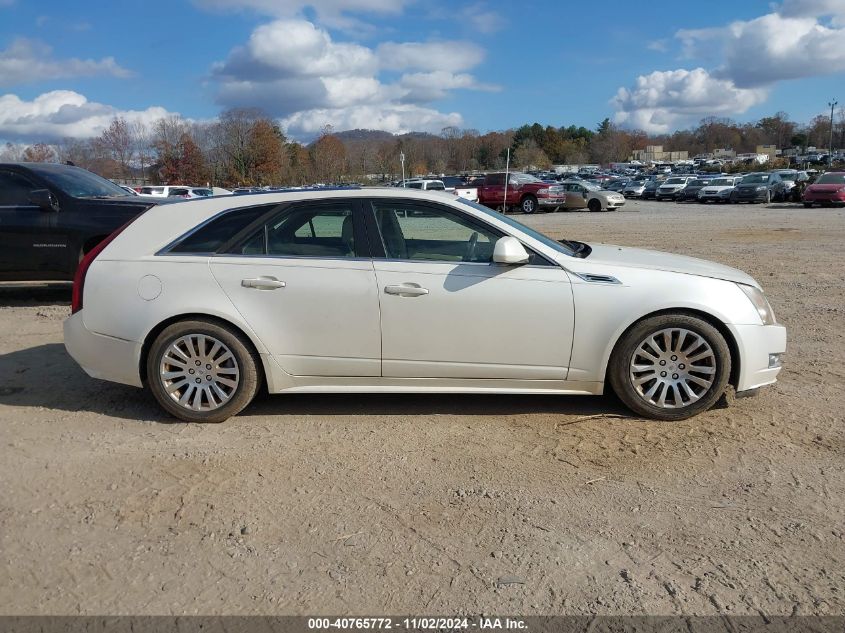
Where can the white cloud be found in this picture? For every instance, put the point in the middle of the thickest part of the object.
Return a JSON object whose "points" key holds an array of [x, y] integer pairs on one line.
{"points": [[447, 55], [771, 48], [63, 114], [396, 118], [431, 86], [27, 61], [798, 39], [298, 72], [661, 46], [482, 18], [663, 100]]}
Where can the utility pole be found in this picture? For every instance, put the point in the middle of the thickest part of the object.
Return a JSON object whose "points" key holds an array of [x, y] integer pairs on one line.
{"points": [[832, 105]]}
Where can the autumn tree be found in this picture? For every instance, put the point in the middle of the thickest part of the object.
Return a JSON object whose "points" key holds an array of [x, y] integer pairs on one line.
{"points": [[39, 153], [329, 156], [268, 161]]}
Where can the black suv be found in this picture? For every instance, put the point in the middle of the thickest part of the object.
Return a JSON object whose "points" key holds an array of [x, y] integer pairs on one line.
{"points": [[51, 215]]}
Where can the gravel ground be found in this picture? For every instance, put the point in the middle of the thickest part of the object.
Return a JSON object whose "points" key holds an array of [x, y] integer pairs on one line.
{"points": [[442, 504]]}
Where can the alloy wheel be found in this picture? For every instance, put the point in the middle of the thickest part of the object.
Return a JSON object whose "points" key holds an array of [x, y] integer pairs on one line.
{"points": [[199, 372], [672, 368]]}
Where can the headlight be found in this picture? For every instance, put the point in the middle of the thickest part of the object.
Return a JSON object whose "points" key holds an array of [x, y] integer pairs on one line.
{"points": [[542, 192], [761, 304]]}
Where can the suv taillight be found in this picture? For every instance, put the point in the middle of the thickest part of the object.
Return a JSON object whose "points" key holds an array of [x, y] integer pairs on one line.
{"points": [[85, 264]]}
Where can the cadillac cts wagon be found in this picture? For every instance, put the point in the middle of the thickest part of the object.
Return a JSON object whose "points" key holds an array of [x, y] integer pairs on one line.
{"points": [[204, 302]]}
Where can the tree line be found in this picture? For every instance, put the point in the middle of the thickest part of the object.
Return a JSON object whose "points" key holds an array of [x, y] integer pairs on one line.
{"points": [[245, 147]]}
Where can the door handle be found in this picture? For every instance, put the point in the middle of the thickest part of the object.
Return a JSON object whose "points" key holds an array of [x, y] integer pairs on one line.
{"points": [[406, 291], [263, 283]]}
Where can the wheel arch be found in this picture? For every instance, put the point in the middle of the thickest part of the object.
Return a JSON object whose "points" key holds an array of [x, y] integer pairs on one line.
{"points": [[713, 320], [189, 316]]}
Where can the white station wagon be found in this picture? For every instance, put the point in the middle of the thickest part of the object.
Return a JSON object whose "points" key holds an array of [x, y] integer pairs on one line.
{"points": [[205, 302]]}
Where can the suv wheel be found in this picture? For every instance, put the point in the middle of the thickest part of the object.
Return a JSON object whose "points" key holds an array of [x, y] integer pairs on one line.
{"points": [[670, 367], [200, 371]]}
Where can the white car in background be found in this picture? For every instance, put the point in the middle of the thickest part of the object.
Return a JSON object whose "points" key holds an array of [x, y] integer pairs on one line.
{"points": [[181, 191], [580, 195], [671, 187], [404, 291], [718, 189]]}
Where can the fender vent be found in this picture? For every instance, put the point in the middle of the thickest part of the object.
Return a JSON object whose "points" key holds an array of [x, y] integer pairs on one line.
{"points": [[597, 279]]}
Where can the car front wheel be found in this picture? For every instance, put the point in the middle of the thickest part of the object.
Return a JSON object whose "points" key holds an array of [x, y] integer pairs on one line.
{"points": [[200, 371], [670, 367], [528, 204], [594, 205]]}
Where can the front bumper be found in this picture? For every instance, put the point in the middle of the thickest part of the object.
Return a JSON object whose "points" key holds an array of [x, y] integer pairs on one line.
{"points": [[551, 202], [756, 344], [103, 357], [754, 196]]}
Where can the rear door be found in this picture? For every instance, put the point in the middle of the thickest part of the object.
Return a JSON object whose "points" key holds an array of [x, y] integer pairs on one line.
{"points": [[305, 283], [492, 192], [29, 249]]}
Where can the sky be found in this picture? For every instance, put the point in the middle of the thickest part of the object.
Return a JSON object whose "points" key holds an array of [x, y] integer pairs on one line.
{"points": [[67, 67]]}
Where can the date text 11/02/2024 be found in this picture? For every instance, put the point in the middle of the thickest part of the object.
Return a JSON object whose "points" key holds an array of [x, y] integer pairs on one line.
{"points": [[414, 624]]}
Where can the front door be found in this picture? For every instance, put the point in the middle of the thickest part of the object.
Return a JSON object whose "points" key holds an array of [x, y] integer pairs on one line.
{"points": [[305, 284], [447, 311]]}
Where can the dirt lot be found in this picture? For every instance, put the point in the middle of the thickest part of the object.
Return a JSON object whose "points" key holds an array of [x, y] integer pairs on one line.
{"points": [[442, 504]]}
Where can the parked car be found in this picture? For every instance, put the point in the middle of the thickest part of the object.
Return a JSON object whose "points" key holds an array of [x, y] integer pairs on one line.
{"points": [[718, 189], [617, 185], [634, 189], [424, 184], [51, 215], [158, 191], [580, 195], [189, 192], [650, 189], [790, 186], [670, 188], [402, 290], [129, 190], [757, 187], [691, 191], [523, 191], [828, 190]]}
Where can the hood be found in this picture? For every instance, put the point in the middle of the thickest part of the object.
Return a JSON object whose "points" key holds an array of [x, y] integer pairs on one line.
{"points": [[825, 188], [717, 188], [657, 260]]}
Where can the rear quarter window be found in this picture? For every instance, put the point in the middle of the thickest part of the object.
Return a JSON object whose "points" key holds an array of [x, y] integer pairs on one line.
{"points": [[209, 237]]}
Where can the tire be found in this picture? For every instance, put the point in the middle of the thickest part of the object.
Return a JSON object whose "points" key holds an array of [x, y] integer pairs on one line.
{"points": [[678, 403], [594, 205], [768, 197], [808, 205], [733, 199], [219, 399], [528, 205]]}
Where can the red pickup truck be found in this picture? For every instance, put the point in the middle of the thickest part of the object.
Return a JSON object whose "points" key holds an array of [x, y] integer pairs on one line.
{"points": [[524, 191]]}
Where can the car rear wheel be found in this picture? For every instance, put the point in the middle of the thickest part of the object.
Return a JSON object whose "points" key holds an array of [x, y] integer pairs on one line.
{"points": [[528, 204], [670, 367], [594, 205], [808, 205], [200, 371]]}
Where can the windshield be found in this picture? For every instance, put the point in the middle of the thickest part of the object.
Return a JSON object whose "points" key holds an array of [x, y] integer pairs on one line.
{"points": [[676, 181], [547, 241], [203, 192], [722, 181], [832, 178], [698, 183], [523, 178], [453, 181], [787, 175], [755, 179], [78, 182]]}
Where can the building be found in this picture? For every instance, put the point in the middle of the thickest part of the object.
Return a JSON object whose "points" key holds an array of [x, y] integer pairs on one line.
{"points": [[770, 150], [655, 154]]}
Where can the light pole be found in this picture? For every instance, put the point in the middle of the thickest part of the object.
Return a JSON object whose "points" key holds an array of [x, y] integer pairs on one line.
{"points": [[832, 105], [402, 160]]}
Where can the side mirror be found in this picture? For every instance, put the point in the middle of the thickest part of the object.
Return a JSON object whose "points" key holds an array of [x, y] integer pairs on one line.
{"points": [[509, 250], [44, 199]]}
